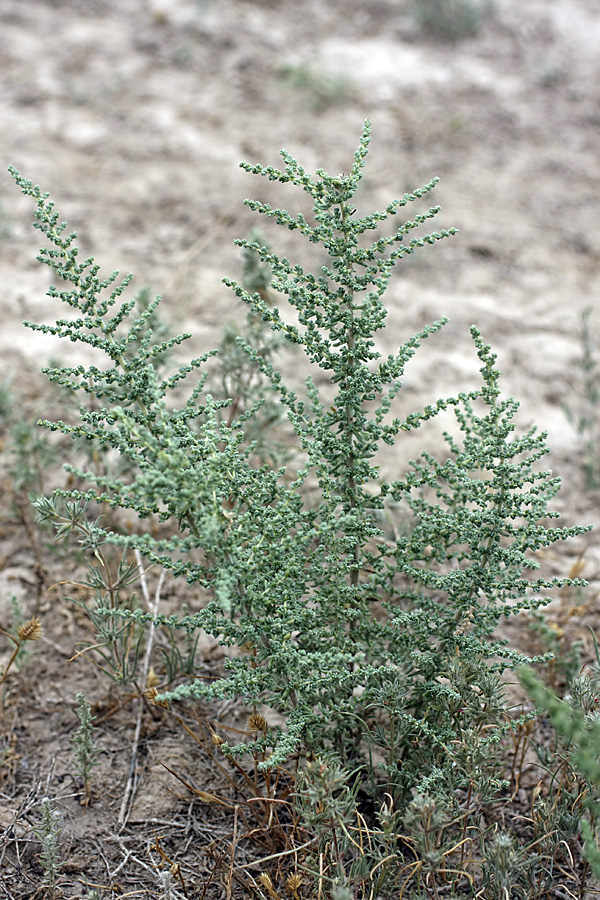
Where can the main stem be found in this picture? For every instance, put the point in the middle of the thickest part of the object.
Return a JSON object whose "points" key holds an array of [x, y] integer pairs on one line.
{"points": [[349, 416]]}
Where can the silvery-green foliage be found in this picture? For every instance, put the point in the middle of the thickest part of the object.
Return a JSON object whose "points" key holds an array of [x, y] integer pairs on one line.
{"points": [[502, 866], [83, 742], [582, 407], [253, 405], [576, 723], [451, 19], [354, 638], [48, 832]]}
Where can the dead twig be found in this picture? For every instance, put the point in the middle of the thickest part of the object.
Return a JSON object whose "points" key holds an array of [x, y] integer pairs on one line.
{"points": [[153, 609]]}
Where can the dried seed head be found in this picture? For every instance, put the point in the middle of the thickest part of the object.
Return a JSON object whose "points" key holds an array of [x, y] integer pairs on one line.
{"points": [[577, 567], [293, 882], [151, 694], [257, 723], [268, 885], [30, 631], [152, 678], [466, 621]]}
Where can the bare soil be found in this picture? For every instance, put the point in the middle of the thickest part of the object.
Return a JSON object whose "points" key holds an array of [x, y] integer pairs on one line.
{"points": [[134, 114]]}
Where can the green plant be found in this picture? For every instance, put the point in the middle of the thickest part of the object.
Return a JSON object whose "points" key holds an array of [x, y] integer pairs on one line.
{"points": [[5, 223], [577, 725], [6, 402], [252, 406], [451, 19], [29, 456], [83, 745], [502, 866], [584, 415], [564, 652], [369, 647], [321, 89], [32, 454], [48, 832], [117, 645]]}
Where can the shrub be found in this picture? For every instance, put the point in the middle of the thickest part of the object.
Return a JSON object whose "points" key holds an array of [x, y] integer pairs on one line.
{"points": [[583, 413], [371, 648], [451, 19]]}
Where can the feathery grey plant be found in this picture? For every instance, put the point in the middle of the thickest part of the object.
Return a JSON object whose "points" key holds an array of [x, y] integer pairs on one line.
{"points": [[584, 415], [451, 19], [83, 744], [91, 893], [116, 647], [576, 721], [253, 406], [297, 584], [48, 832], [502, 866]]}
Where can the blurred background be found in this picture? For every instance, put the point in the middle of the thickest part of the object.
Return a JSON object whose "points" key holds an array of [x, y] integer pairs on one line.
{"points": [[134, 114]]}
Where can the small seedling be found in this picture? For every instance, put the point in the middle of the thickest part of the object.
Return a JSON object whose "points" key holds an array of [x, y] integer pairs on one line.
{"points": [[91, 893], [48, 832], [321, 89], [584, 413], [451, 19], [83, 745]]}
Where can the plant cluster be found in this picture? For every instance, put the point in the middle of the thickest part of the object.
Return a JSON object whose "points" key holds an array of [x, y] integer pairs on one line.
{"points": [[451, 19], [83, 745], [48, 833], [320, 89], [381, 656], [583, 414]]}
